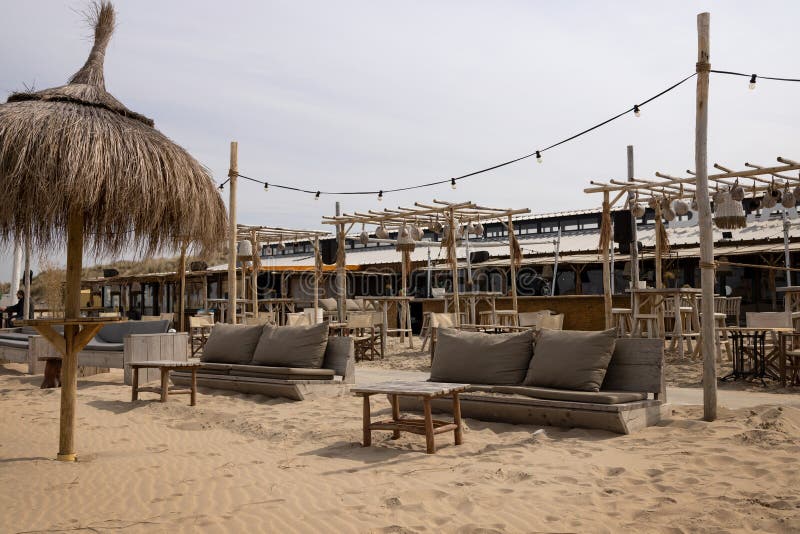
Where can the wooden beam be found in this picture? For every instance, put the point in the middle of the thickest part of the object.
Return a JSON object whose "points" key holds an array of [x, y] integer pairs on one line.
{"points": [[233, 173]]}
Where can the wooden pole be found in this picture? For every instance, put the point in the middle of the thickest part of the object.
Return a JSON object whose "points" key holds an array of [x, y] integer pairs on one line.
{"points": [[27, 278], [606, 267], [659, 247], [341, 268], [182, 297], [316, 278], [704, 206], [512, 264], [634, 229], [232, 176], [69, 364], [454, 267], [254, 275]]}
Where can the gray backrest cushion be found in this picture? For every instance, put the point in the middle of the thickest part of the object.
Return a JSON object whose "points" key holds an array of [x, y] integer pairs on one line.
{"points": [[571, 359], [229, 343], [118, 331], [475, 357], [292, 346]]}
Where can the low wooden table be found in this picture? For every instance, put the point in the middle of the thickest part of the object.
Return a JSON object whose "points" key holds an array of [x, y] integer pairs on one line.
{"points": [[52, 372], [426, 426], [165, 366]]}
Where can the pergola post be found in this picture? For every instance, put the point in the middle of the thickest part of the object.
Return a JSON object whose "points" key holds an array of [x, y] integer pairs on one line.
{"points": [[233, 173], [454, 265], [512, 264], [254, 274], [317, 274], [706, 236], [634, 253], [606, 265]]}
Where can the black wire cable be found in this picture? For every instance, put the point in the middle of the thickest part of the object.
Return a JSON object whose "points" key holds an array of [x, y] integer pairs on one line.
{"points": [[733, 73], [536, 153]]}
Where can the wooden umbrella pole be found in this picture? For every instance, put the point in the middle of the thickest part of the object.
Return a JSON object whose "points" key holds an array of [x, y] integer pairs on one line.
{"points": [[182, 298], [512, 264], [606, 267], [232, 176], [706, 236], [69, 365]]}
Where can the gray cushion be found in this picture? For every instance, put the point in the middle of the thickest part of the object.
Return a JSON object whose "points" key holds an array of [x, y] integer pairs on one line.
{"points": [[481, 358], [117, 332], [14, 343], [16, 336], [97, 344], [571, 359], [230, 343], [328, 304], [286, 373], [338, 352], [292, 346], [598, 397]]}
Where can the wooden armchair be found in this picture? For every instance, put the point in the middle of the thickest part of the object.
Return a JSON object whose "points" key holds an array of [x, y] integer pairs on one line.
{"points": [[365, 334], [199, 330]]}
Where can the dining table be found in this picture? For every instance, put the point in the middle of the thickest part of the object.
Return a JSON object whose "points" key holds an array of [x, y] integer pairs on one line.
{"points": [[648, 304], [753, 357]]}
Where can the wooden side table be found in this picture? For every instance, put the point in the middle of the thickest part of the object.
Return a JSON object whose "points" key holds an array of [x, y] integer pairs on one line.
{"points": [[165, 366], [426, 426]]}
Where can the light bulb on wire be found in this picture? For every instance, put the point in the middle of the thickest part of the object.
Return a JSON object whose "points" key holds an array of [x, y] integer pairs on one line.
{"points": [[222, 186], [636, 110], [453, 183], [266, 186], [538, 157], [380, 196], [316, 197], [752, 84]]}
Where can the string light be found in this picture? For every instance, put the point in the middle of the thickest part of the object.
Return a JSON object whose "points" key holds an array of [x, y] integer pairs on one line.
{"points": [[537, 153], [222, 186], [266, 186]]}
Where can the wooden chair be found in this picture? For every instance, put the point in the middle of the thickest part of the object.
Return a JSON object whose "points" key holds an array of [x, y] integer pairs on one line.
{"points": [[789, 363], [262, 319], [622, 319], [199, 330], [365, 334], [733, 308], [541, 319], [151, 318], [440, 320]]}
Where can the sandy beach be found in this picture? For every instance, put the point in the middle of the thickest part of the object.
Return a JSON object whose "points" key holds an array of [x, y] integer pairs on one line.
{"points": [[239, 463]]}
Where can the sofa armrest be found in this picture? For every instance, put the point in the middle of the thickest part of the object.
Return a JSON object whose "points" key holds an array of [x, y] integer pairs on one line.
{"points": [[340, 355]]}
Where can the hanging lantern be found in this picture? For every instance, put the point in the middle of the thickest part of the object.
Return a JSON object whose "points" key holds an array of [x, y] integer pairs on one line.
{"points": [[680, 207], [694, 205], [244, 248], [788, 201], [415, 232], [405, 243], [281, 245], [381, 233], [737, 192], [769, 200], [652, 203], [666, 210], [796, 193], [437, 227], [363, 237], [477, 229], [728, 214], [638, 210]]}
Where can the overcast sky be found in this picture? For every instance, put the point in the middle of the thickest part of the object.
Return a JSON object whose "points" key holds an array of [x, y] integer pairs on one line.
{"points": [[363, 94]]}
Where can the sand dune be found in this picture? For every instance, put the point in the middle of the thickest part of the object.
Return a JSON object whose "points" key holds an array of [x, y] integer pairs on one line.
{"points": [[238, 463]]}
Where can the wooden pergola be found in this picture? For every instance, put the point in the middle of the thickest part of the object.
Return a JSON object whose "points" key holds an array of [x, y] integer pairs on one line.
{"points": [[453, 215], [664, 186], [267, 235]]}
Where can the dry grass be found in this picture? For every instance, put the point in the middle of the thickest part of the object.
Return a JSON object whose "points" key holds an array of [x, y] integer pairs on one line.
{"points": [[76, 148], [47, 288]]}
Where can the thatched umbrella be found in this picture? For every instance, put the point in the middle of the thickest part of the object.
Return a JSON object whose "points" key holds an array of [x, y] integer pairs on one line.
{"points": [[75, 162]]}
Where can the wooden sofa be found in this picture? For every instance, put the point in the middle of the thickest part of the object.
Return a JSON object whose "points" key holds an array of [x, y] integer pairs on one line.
{"points": [[114, 345], [632, 397], [332, 379]]}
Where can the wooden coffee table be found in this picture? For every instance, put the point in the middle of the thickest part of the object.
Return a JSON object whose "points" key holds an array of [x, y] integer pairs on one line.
{"points": [[165, 366], [426, 426]]}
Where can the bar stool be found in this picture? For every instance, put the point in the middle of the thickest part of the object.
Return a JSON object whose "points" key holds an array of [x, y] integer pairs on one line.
{"points": [[622, 319]]}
